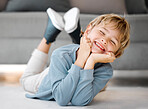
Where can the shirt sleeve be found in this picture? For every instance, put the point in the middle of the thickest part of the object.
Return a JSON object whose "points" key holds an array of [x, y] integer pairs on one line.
{"points": [[63, 81], [90, 84]]}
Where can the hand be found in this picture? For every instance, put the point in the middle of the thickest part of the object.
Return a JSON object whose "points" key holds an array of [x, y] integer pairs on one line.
{"points": [[84, 51], [85, 47], [102, 58]]}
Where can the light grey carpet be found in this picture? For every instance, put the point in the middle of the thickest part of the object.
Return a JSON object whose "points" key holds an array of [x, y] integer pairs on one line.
{"points": [[13, 97]]}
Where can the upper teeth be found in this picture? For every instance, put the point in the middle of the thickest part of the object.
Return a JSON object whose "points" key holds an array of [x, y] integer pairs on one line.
{"points": [[99, 46]]}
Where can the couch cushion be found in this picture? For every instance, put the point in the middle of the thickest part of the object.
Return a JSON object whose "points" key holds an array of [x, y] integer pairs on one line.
{"points": [[139, 27], [146, 2], [133, 58], [37, 5], [100, 6], [136, 6], [30, 24]]}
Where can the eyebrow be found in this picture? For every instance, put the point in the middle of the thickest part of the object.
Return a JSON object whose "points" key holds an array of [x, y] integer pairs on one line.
{"points": [[105, 29]]}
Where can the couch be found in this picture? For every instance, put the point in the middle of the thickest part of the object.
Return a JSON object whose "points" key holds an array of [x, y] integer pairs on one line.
{"points": [[22, 28]]}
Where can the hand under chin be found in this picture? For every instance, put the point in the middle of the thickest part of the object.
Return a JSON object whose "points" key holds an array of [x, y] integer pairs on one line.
{"points": [[98, 52]]}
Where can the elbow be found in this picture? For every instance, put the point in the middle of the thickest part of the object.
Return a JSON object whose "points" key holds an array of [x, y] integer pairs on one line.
{"points": [[61, 102], [80, 102], [60, 98], [73, 102]]}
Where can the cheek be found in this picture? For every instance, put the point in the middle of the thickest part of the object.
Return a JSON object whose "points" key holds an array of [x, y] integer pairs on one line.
{"points": [[111, 48], [92, 37], [88, 36]]}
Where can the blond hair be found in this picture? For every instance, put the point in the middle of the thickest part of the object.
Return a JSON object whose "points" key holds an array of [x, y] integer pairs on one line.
{"points": [[120, 24]]}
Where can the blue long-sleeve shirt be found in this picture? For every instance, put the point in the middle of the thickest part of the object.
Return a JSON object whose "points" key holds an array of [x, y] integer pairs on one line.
{"points": [[68, 83]]}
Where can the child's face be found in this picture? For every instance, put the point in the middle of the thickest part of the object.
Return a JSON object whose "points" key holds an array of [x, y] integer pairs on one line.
{"points": [[104, 38]]}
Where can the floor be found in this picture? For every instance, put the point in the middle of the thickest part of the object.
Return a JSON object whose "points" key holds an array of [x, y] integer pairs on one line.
{"points": [[126, 90]]}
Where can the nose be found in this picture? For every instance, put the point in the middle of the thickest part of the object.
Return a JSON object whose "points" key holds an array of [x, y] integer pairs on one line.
{"points": [[104, 41]]}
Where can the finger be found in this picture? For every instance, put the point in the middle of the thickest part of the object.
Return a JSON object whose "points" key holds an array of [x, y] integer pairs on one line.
{"points": [[90, 44], [87, 39], [85, 35], [112, 59], [110, 54], [81, 40]]}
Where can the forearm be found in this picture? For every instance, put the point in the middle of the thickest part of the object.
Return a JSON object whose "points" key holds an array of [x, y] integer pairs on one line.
{"points": [[85, 64], [81, 59], [80, 62], [84, 52], [64, 86], [89, 64], [98, 58], [90, 83], [84, 91]]}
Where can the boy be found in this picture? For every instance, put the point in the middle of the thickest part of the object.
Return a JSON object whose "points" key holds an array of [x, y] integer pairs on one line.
{"points": [[77, 73]]}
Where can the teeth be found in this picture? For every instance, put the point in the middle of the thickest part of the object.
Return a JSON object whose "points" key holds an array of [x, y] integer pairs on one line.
{"points": [[99, 46]]}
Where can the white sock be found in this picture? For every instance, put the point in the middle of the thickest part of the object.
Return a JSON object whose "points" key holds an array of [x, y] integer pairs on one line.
{"points": [[56, 19], [71, 18]]}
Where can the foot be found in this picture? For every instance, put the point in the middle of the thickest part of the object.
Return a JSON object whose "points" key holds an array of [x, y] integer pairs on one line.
{"points": [[56, 19], [71, 18], [54, 26], [76, 34], [72, 24]]}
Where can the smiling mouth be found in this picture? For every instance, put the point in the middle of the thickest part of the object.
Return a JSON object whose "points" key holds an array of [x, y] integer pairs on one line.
{"points": [[99, 46]]}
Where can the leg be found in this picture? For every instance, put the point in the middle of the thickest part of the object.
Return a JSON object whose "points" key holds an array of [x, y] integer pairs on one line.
{"points": [[54, 26], [76, 34], [43, 46], [34, 73], [72, 24]]}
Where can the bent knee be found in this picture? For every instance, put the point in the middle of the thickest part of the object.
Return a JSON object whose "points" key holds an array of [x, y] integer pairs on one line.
{"points": [[28, 84]]}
